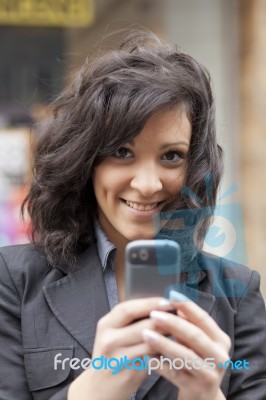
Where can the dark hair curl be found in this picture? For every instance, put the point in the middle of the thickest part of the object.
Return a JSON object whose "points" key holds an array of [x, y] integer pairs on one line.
{"points": [[107, 105]]}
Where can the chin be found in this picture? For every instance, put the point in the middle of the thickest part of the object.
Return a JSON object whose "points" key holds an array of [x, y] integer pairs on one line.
{"points": [[141, 235]]}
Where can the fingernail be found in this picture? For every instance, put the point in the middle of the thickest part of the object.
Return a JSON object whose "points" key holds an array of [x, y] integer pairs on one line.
{"points": [[150, 335], [161, 316], [177, 296], [165, 304]]}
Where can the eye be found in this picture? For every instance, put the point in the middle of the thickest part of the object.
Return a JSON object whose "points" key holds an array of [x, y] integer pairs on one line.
{"points": [[122, 152], [173, 156]]}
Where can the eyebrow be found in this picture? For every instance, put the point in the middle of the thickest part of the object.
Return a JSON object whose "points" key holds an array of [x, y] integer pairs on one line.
{"points": [[165, 145], [181, 142]]}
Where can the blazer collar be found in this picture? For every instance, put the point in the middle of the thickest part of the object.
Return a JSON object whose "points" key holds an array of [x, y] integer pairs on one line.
{"points": [[85, 287]]}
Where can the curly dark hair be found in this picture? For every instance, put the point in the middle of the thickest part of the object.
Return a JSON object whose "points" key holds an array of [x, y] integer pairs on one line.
{"points": [[107, 104]]}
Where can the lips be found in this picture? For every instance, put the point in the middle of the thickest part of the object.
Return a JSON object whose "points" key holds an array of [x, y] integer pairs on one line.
{"points": [[141, 207]]}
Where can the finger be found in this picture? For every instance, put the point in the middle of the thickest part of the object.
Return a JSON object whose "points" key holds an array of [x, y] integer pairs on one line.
{"points": [[179, 355], [179, 378], [132, 334], [199, 317], [190, 384], [111, 339], [131, 358], [141, 350], [126, 312], [190, 335], [203, 374]]}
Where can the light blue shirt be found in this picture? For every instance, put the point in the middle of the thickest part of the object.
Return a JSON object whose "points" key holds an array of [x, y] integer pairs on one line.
{"points": [[107, 252]]}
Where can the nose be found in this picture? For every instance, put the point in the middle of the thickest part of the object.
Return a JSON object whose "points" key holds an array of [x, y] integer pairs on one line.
{"points": [[146, 181]]}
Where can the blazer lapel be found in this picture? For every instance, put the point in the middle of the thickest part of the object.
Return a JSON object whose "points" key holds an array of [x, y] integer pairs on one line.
{"points": [[79, 299]]}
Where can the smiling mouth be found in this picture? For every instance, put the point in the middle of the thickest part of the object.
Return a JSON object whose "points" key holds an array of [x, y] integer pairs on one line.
{"points": [[141, 207]]}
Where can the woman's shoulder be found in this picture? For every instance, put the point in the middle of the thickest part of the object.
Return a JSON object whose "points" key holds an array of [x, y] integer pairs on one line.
{"points": [[233, 278], [21, 266], [21, 257], [222, 266]]}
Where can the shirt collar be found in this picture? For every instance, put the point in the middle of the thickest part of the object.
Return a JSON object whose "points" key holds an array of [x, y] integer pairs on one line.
{"points": [[192, 272], [106, 249]]}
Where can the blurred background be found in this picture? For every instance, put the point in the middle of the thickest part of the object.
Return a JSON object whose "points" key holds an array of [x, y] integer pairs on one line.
{"points": [[42, 42]]}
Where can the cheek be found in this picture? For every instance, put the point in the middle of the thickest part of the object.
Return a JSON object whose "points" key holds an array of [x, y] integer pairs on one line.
{"points": [[99, 183], [108, 181], [175, 181]]}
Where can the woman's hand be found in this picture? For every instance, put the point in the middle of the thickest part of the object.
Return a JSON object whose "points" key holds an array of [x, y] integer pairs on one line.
{"points": [[196, 337], [117, 336], [220, 395]]}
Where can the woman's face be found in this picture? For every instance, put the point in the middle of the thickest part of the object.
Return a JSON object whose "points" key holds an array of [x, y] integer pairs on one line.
{"points": [[142, 176]]}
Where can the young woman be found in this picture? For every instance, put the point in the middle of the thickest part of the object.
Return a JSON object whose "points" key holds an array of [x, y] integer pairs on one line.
{"points": [[134, 128]]}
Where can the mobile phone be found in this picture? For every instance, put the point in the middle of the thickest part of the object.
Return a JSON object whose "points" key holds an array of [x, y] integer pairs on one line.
{"points": [[152, 268]]}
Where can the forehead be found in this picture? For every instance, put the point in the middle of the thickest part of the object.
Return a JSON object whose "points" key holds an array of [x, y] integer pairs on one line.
{"points": [[166, 125]]}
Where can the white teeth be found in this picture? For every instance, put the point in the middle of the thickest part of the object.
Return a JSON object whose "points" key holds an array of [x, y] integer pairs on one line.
{"points": [[141, 207]]}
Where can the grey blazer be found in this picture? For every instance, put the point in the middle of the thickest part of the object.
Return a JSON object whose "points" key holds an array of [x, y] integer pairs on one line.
{"points": [[45, 311]]}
